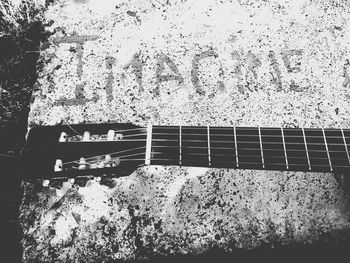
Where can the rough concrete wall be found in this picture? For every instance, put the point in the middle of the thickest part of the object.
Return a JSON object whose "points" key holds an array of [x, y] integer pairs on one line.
{"points": [[242, 63]]}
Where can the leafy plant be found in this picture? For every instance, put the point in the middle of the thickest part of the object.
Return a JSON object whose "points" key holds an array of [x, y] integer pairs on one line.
{"points": [[15, 13]]}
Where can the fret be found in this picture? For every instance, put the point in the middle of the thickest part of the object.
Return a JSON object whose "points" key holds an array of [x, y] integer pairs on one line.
{"points": [[338, 151], [317, 150], [329, 158], [284, 148], [248, 148], [165, 145], [295, 149], [194, 146], [222, 147], [273, 150], [346, 148], [148, 145], [180, 146], [208, 132], [347, 139], [261, 148], [307, 151], [236, 148]]}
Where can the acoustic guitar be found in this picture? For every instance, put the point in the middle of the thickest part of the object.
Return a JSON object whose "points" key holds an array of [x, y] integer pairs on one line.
{"points": [[84, 151]]}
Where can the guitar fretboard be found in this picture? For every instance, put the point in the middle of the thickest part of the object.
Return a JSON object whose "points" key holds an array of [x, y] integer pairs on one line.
{"points": [[295, 149]]}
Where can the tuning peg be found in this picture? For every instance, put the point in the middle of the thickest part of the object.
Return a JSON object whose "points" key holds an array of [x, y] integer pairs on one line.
{"points": [[46, 183], [108, 159], [58, 165], [86, 136], [63, 137], [119, 136], [82, 163], [98, 179], [71, 180], [110, 135]]}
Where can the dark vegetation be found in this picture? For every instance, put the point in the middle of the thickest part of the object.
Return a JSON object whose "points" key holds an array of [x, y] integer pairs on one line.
{"points": [[20, 34]]}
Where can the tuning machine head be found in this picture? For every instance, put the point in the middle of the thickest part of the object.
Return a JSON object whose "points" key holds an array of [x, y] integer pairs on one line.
{"points": [[46, 183], [111, 162], [82, 163], [86, 136], [58, 165], [71, 180], [112, 135], [97, 179], [63, 137], [119, 136]]}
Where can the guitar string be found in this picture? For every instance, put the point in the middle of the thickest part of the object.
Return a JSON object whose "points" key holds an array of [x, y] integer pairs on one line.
{"points": [[134, 129], [102, 155], [230, 135], [213, 147], [216, 148], [218, 155], [212, 155], [244, 148], [71, 128], [265, 148], [194, 162], [216, 141], [257, 156], [249, 163], [193, 155], [184, 128], [125, 130], [248, 142], [123, 156], [277, 136], [92, 159], [242, 128], [212, 132]]}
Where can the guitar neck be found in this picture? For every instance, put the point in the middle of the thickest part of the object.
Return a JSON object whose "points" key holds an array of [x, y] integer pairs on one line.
{"points": [[294, 149], [70, 151]]}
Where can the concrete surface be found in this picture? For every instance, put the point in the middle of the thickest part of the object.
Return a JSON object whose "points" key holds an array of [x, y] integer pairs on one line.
{"points": [[243, 63]]}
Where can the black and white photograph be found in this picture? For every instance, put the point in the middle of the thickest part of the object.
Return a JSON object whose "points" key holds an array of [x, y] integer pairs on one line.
{"points": [[174, 131]]}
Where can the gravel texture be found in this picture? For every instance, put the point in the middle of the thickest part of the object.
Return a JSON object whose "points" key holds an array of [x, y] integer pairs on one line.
{"points": [[224, 63]]}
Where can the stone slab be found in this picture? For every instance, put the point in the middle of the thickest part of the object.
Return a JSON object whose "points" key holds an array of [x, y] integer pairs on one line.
{"points": [[243, 63]]}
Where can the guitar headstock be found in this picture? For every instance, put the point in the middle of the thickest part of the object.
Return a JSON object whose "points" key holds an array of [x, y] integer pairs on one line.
{"points": [[72, 152]]}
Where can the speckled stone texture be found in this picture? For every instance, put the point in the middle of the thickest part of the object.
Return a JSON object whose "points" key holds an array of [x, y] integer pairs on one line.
{"points": [[224, 63]]}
